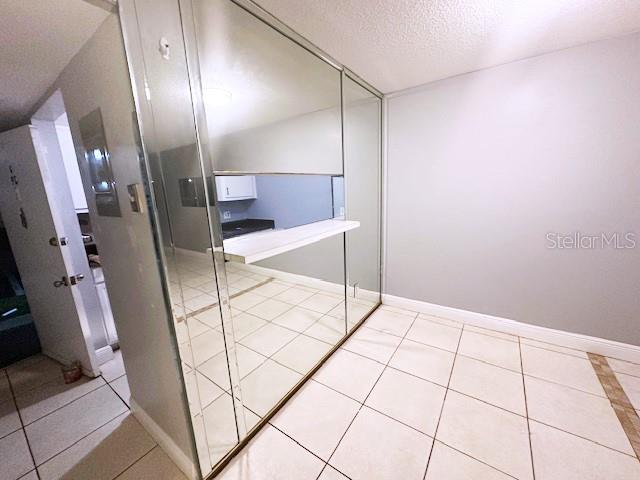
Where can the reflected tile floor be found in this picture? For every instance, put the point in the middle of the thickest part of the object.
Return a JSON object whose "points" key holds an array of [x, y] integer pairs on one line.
{"points": [[50, 430], [414, 396], [281, 330]]}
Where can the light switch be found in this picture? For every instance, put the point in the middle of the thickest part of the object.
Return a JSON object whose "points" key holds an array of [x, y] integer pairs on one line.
{"points": [[136, 197]]}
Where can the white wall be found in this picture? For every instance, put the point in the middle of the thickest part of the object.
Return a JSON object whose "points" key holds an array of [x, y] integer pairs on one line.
{"points": [[307, 143], [98, 77], [482, 166]]}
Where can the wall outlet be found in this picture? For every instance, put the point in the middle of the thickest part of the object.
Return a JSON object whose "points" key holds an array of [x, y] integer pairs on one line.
{"points": [[226, 215]]}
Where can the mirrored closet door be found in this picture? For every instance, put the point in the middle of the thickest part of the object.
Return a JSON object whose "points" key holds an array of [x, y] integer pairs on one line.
{"points": [[273, 115], [363, 177], [264, 161]]}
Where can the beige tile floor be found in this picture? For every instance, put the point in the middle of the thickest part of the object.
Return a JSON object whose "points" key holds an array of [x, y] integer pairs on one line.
{"points": [[418, 397], [50, 430], [408, 396], [281, 330]]}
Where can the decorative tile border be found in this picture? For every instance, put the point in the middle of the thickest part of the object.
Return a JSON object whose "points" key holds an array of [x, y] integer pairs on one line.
{"points": [[619, 401], [215, 304]]}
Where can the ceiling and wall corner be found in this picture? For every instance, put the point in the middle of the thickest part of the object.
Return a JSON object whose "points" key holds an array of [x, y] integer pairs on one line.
{"points": [[395, 45], [37, 43]]}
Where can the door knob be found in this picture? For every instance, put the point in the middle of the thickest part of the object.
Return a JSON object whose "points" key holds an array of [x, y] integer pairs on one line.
{"points": [[57, 242], [66, 282]]}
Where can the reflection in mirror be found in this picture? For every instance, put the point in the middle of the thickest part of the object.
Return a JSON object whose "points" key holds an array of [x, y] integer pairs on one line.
{"points": [[180, 199], [273, 114], [97, 156], [362, 137], [284, 244], [266, 181], [271, 106], [250, 203]]}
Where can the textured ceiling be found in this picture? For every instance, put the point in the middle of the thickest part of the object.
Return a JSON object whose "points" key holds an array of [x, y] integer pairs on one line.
{"points": [[396, 44], [38, 40]]}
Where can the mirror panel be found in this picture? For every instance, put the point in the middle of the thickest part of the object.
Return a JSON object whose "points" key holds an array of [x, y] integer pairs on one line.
{"points": [[363, 169], [274, 132], [271, 106], [183, 218], [261, 202]]}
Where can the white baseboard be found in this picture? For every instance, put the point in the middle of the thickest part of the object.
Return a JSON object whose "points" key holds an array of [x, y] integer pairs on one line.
{"points": [[609, 348], [104, 354], [292, 278], [195, 253], [289, 277], [182, 461]]}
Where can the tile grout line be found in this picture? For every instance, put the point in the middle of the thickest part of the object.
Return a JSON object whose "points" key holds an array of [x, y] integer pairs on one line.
{"points": [[327, 465], [521, 373], [444, 401], [473, 398], [136, 461], [239, 342], [116, 393], [301, 446], [414, 428], [261, 354], [484, 362], [68, 403], [193, 314], [526, 410], [565, 386], [45, 383], [430, 382], [586, 439], [24, 432], [201, 310], [362, 404], [556, 351], [281, 348], [624, 410], [298, 334], [475, 459], [80, 439], [86, 435]]}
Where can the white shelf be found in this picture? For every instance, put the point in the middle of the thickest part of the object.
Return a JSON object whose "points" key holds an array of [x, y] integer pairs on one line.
{"points": [[260, 245]]}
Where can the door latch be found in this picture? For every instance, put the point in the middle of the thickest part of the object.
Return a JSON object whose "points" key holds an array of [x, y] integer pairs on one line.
{"points": [[66, 282]]}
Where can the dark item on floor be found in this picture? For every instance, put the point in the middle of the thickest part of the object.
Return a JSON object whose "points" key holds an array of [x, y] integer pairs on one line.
{"points": [[72, 373]]}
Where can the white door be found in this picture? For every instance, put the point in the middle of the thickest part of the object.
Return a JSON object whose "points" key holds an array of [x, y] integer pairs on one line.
{"points": [[47, 270]]}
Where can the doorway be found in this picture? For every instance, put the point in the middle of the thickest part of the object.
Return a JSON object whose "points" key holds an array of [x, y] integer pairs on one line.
{"points": [[47, 220]]}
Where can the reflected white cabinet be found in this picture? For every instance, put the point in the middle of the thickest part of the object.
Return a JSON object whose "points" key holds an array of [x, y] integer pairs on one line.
{"points": [[235, 187]]}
